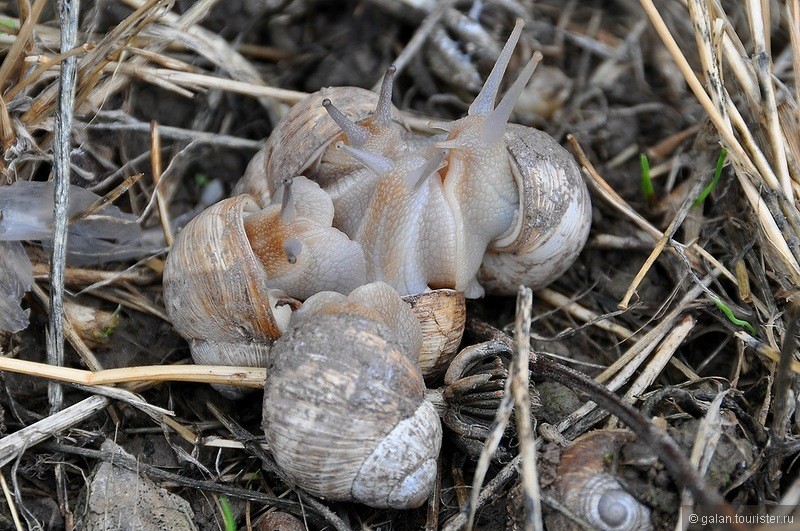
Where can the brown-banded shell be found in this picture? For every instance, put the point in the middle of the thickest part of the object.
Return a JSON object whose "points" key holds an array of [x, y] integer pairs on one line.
{"points": [[553, 220], [345, 413], [231, 266], [586, 487], [216, 292], [442, 315]]}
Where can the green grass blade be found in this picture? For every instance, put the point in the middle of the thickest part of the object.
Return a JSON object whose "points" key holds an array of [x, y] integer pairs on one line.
{"points": [[227, 514], [732, 318], [8, 23], [723, 154], [647, 183]]}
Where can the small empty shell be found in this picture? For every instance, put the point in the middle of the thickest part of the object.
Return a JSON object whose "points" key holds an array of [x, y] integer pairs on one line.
{"points": [[589, 490]]}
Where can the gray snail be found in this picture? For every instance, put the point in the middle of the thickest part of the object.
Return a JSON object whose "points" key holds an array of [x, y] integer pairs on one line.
{"points": [[342, 199], [352, 423]]}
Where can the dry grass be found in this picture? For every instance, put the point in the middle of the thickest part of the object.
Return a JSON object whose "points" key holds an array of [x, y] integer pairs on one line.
{"points": [[689, 309]]}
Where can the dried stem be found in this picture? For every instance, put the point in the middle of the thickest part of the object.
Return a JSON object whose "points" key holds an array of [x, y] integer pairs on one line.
{"points": [[783, 380], [12, 507], [17, 50], [522, 402], [241, 376], [668, 451], [137, 466], [155, 165], [419, 38], [68, 12], [16, 443], [763, 68]]}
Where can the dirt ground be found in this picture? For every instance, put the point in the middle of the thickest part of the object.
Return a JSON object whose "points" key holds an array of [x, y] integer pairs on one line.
{"points": [[683, 301]]}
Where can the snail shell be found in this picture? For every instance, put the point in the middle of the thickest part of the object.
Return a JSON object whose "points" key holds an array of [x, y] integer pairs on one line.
{"points": [[300, 139], [231, 266], [344, 408], [235, 256], [605, 504], [442, 314], [554, 221], [225, 306], [585, 486], [279, 521]]}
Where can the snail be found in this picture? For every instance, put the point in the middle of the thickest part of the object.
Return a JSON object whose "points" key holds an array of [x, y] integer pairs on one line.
{"points": [[348, 210], [585, 486], [235, 270], [230, 270], [345, 413], [484, 207]]}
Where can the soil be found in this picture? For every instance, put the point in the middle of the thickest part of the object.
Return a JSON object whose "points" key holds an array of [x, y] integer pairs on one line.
{"points": [[606, 80]]}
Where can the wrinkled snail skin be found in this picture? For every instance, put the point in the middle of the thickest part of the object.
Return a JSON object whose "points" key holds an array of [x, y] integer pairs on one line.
{"points": [[301, 252], [344, 407], [231, 268], [484, 206]]}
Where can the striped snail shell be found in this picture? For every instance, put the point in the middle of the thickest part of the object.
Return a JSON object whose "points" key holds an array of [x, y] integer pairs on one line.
{"points": [[345, 413], [593, 493], [232, 267]]}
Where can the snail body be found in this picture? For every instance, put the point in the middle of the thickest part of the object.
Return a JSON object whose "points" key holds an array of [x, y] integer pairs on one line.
{"points": [[486, 205], [235, 271], [350, 421]]}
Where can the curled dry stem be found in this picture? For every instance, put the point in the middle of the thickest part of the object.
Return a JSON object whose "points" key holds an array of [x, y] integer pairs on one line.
{"points": [[670, 454]]}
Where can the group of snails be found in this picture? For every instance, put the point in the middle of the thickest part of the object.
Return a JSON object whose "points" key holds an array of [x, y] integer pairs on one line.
{"points": [[343, 264]]}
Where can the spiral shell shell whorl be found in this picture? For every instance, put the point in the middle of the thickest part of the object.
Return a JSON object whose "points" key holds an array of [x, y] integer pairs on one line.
{"points": [[344, 407], [217, 295], [301, 138], [592, 492], [553, 220], [231, 265]]}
